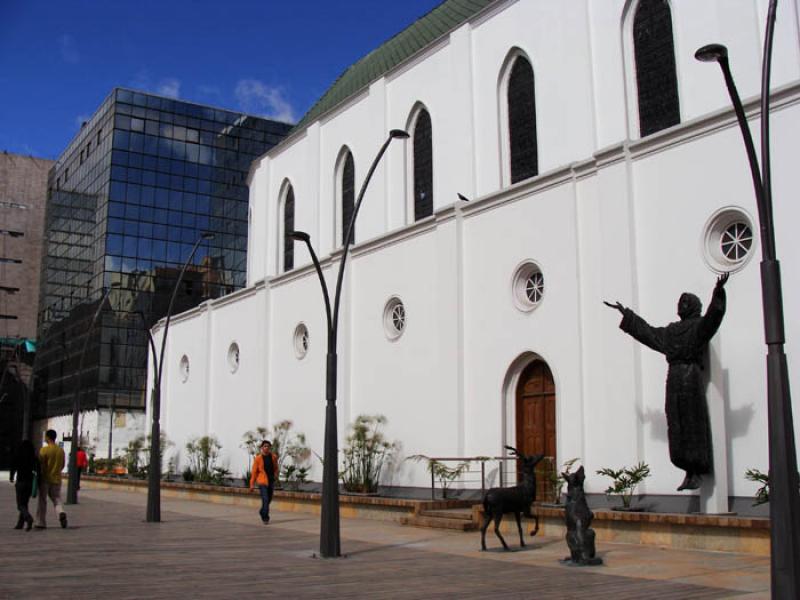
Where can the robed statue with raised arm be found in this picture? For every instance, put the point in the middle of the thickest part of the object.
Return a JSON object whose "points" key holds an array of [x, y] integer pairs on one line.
{"points": [[683, 343]]}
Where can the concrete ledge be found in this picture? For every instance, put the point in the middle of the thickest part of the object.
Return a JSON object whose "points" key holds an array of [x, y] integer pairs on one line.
{"points": [[722, 533], [351, 506]]}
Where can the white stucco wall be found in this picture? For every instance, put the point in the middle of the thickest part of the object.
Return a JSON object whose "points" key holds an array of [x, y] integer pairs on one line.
{"points": [[610, 217]]}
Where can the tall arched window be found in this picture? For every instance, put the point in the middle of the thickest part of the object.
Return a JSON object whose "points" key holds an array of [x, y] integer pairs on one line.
{"points": [[347, 191], [288, 227], [521, 92], [656, 77], [423, 166]]}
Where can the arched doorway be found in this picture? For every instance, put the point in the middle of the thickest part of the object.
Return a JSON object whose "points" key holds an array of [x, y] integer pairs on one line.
{"points": [[536, 422]]}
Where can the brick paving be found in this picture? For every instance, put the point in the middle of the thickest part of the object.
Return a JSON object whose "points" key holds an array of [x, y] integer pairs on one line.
{"points": [[203, 550]]}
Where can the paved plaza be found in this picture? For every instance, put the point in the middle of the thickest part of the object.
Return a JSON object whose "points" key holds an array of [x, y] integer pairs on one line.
{"points": [[204, 550]]}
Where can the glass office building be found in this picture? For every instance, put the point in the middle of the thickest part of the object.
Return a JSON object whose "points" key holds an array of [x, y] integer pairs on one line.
{"points": [[127, 200]]}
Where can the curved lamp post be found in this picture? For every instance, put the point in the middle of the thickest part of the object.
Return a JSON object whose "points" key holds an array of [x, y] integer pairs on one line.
{"points": [[329, 545], [72, 482], [154, 469], [783, 476]]}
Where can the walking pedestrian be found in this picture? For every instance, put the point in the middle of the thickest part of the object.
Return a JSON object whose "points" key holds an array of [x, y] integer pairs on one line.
{"points": [[25, 466], [51, 463], [81, 462], [264, 473]]}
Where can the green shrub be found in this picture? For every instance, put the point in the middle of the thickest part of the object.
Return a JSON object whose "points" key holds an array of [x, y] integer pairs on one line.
{"points": [[444, 474], [762, 494], [366, 452], [251, 443], [202, 454], [133, 455], [625, 480], [557, 478]]}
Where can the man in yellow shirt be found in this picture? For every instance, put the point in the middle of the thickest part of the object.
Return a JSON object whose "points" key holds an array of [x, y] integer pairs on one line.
{"points": [[51, 461]]}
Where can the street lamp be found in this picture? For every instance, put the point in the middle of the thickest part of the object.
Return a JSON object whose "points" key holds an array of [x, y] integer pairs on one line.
{"points": [[329, 545], [154, 470], [783, 476], [72, 483]]}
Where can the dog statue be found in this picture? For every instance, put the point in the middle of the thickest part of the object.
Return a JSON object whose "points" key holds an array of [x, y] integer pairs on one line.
{"points": [[578, 516]]}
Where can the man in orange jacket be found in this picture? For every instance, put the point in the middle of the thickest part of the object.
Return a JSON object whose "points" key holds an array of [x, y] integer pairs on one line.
{"points": [[264, 473]]}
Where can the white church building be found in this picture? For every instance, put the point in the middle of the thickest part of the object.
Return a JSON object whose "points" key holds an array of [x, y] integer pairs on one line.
{"points": [[560, 154]]}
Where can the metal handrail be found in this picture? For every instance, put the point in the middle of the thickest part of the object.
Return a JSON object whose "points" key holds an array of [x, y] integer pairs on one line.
{"points": [[482, 459]]}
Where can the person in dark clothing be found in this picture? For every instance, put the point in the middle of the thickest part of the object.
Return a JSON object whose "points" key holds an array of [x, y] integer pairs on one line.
{"points": [[684, 343], [25, 466]]}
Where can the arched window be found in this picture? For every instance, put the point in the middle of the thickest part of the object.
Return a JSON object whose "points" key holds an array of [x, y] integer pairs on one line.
{"points": [[521, 97], [423, 166], [288, 227], [346, 182], [656, 77]]}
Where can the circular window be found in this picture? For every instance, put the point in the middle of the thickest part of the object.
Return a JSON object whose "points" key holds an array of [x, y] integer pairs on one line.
{"points": [[394, 318], [729, 240], [300, 340], [528, 286], [233, 357], [184, 368]]}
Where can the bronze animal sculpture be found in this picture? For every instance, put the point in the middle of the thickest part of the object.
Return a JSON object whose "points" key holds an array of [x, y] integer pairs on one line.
{"points": [[578, 517], [683, 343], [517, 500]]}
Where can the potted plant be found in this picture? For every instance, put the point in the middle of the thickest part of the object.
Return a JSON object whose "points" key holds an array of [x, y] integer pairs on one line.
{"points": [[444, 474], [762, 493], [290, 446], [556, 478], [251, 442], [203, 454], [101, 466], [366, 452], [624, 482]]}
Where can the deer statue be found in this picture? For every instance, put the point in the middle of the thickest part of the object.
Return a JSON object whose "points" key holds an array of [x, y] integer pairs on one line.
{"points": [[517, 499]]}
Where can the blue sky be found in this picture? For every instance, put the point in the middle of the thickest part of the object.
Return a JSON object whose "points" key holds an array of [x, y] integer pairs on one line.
{"points": [[60, 58]]}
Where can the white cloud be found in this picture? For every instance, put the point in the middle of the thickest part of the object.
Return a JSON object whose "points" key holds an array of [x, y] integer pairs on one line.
{"points": [[141, 81], [209, 90], [169, 87], [69, 53], [166, 86], [257, 97]]}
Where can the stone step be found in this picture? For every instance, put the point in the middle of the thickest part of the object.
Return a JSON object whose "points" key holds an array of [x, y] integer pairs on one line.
{"points": [[439, 523], [464, 514]]}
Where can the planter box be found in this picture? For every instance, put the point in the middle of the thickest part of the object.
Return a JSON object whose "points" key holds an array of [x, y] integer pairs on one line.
{"points": [[749, 535]]}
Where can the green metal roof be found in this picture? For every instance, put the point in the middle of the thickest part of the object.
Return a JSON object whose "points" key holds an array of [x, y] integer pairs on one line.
{"points": [[423, 32]]}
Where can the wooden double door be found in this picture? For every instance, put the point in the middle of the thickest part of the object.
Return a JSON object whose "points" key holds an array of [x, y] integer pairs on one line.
{"points": [[536, 423]]}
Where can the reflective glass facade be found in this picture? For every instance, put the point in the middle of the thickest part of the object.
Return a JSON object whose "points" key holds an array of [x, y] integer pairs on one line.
{"points": [[127, 201]]}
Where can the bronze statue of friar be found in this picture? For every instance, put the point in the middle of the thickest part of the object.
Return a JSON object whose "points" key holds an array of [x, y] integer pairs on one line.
{"points": [[683, 343]]}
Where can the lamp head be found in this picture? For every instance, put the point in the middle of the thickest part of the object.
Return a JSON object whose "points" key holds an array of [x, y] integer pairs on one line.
{"points": [[300, 236], [712, 53], [207, 235], [399, 134]]}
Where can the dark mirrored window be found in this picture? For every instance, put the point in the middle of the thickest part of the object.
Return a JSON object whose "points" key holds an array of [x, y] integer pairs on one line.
{"points": [[523, 150], [348, 194], [288, 227], [153, 180], [656, 77], [423, 166]]}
